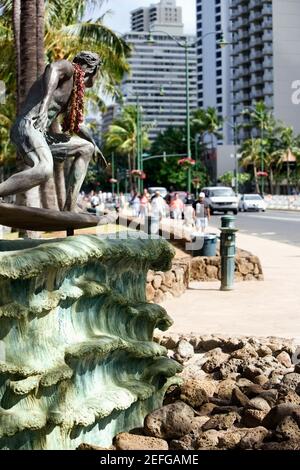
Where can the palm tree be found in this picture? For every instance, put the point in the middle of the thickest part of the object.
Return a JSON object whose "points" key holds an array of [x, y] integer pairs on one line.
{"points": [[250, 156], [287, 150], [122, 136], [207, 121]]}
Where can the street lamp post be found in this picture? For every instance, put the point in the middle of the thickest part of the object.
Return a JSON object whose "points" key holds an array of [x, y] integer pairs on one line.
{"points": [[236, 166], [186, 45], [262, 163]]}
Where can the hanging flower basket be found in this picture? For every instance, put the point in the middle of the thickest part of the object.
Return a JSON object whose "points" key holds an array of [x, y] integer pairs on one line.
{"points": [[186, 162], [139, 174]]}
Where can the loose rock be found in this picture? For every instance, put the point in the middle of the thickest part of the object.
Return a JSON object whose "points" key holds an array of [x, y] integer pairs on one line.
{"points": [[170, 422], [126, 441]]}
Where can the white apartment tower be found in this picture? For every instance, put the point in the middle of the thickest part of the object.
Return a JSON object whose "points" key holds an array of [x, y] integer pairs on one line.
{"points": [[213, 62], [157, 79], [266, 57], [164, 14]]}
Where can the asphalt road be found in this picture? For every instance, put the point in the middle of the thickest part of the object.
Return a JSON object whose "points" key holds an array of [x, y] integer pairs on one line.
{"points": [[282, 226]]}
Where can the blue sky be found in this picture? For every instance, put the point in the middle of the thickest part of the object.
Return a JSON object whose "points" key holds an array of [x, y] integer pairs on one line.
{"points": [[119, 19]]}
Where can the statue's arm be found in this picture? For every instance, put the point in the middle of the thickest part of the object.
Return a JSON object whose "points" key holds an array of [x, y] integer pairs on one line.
{"points": [[85, 134]]}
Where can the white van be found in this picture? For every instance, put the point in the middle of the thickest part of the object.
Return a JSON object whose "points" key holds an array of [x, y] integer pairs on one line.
{"points": [[221, 199]]}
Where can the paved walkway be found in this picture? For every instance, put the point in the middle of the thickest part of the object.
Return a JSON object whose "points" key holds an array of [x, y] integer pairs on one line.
{"points": [[261, 308]]}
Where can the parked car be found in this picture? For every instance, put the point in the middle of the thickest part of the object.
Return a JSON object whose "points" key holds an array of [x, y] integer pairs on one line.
{"points": [[221, 199], [252, 202], [163, 191]]}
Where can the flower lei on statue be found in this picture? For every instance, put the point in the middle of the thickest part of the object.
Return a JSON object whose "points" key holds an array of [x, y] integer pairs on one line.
{"points": [[74, 115]]}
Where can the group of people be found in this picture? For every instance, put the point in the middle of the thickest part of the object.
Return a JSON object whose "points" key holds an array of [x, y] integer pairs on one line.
{"points": [[194, 213], [97, 201], [145, 204]]}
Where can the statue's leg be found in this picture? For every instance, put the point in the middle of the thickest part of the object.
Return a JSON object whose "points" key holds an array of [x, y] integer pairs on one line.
{"points": [[41, 162], [83, 151]]}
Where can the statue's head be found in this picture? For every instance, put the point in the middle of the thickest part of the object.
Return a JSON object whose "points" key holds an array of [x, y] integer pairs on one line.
{"points": [[90, 63]]}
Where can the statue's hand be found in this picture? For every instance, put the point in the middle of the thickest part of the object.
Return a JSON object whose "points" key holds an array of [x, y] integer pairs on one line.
{"points": [[41, 121], [99, 154]]}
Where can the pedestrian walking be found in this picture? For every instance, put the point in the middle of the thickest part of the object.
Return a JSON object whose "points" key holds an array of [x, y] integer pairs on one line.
{"points": [[202, 213]]}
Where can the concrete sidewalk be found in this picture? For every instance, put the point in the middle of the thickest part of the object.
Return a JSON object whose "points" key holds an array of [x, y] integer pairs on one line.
{"points": [[259, 308]]}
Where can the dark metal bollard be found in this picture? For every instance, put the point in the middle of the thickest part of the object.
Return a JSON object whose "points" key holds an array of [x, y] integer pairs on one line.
{"points": [[227, 249]]}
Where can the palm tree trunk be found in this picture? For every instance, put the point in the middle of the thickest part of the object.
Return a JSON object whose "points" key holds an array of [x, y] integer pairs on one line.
{"points": [[48, 189], [40, 32], [25, 14], [255, 179], [28, 47], [16, 29]]}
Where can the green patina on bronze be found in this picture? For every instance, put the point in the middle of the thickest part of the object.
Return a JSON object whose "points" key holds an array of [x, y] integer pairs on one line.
{"points": [[78, 363]]}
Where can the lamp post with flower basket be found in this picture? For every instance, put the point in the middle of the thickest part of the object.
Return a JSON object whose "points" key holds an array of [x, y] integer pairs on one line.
{"points": [[187, 163], [140, 175]]}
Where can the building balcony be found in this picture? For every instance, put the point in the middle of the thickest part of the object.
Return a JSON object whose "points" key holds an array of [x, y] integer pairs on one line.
{"points": [[239, 85], [242, 72], [267, 62], [256, 54], [269, 101], [256, 28], [268, 76], [238, 36], [267, 36], [255, 4], [256, 80], [268, 49], [256, 67], [268, 90], [267, 23], [255, 41], [267, 9], [241, 22], [255, 15], [257, 93]]}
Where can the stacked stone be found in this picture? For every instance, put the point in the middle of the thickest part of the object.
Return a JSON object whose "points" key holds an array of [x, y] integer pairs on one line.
{"points": [[236, 393], [247, 268], [165, 285]]}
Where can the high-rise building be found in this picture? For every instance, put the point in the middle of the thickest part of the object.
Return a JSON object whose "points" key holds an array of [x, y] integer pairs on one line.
{"points": [[213, 62], [108, 116], [157, 79], [164, 14], [265, 57]]}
